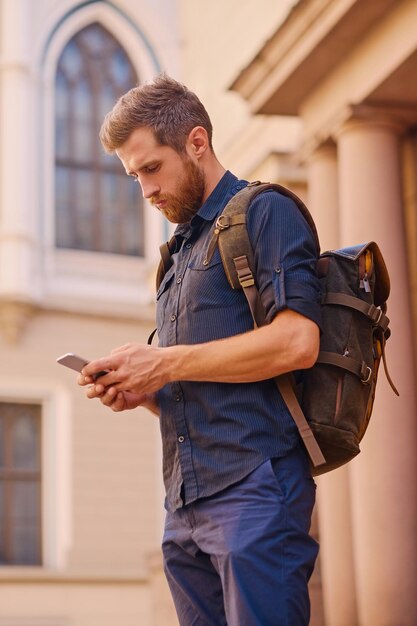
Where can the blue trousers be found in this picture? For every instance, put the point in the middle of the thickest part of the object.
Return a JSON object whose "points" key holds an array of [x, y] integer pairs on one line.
{"points": [[244, 556]]}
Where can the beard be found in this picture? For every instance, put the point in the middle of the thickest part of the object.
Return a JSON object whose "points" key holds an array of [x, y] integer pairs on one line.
{"points": [[181, 207]]}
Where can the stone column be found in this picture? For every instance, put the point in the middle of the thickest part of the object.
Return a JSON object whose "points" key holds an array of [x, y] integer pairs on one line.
{"points": [[323, 194], [333, 493], [383, 477], [17, 164]]}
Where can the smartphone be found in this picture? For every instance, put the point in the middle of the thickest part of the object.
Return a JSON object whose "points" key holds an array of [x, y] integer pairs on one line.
{"points": [[76, 363]]}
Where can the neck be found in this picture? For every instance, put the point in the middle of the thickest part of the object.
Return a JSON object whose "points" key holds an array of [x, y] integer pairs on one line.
{"points": [[214, 172]]}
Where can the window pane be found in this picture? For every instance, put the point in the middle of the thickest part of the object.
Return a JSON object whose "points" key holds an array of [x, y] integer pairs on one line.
{"points": [[64, 223], [25, 454], [110, 213], [83, 109], [62, 135], [20, 487], [120, 69], [84, 200], [71, 62], [95, 39], [91, 196], [121, 219], [25, 527]]}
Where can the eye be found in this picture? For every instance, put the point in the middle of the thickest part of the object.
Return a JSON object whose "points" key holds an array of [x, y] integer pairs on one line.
{"points": [[152, 169]]}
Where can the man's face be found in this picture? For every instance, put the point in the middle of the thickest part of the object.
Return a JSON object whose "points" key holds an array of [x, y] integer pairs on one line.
{"points": [[173, 182]]}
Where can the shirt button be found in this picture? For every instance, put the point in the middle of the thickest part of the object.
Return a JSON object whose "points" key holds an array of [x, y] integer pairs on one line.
{"points": [[181, 439], [179, 280], [189, 245], [173, 318], [178, 398]]}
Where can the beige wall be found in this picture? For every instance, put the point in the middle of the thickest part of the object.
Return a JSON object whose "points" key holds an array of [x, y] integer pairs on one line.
{"points": [[103, 495], [218, 40], [82, 602]]}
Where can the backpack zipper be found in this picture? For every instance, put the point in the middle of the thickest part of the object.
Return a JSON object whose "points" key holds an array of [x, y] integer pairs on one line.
{"points": [[365, 265]]}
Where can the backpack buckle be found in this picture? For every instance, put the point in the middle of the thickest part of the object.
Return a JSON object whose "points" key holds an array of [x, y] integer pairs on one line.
{"points": [[243, 271], [247, 281], [366, 374], [254, 183], [222, 222]]}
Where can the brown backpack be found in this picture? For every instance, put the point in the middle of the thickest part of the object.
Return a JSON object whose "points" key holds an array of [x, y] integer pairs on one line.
{"points": [[333, 405]]}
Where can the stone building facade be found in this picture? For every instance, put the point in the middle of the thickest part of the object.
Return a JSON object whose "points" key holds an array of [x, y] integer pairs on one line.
{"points": [[319, 95]]}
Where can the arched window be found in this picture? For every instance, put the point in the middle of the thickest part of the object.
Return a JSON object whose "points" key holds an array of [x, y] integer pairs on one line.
{"points": [[98, 207]]}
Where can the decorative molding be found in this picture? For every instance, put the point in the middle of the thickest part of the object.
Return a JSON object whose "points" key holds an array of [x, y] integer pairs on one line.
{"points": [[378, 114], [14, 317]]}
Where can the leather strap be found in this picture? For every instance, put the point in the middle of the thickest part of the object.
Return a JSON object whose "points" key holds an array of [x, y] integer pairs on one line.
{"points": [[284, 384], [285, 381], [358, 368], [375, 314], [250, 290], [166, 250]]}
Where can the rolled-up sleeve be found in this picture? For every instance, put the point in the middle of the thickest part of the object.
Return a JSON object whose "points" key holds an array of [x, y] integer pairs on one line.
{"points": [[285, 257]]}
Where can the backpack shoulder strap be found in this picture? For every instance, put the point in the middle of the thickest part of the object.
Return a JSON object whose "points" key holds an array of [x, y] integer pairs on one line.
{"points": [[231, 234], [232, 237], [166, 250]]}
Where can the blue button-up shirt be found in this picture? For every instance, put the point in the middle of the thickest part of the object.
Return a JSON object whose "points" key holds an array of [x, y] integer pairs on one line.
{"points": [[214, 434]]}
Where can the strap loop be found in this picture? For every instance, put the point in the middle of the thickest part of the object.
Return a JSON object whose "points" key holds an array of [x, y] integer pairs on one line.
{"points": [[374, 313], [359, 369]]}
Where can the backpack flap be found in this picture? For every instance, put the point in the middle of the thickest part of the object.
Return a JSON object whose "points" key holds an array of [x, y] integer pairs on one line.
{"points": [[382, 282]]}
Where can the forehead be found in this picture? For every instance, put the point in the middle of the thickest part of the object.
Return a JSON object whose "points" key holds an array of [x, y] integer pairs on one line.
{"points": [[140, 148]]}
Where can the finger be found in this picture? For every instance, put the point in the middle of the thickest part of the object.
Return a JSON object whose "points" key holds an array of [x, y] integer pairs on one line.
{"points": [[100, 365], [105, 379], [84, 380], [119, 403], [108, 397], [93, 392]]}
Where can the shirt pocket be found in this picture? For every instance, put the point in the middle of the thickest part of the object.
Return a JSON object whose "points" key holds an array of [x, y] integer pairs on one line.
{"points": [[162, 296], [207, 285]]}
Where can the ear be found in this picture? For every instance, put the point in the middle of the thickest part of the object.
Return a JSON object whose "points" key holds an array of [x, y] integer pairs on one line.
{"points": [[197, 142]]}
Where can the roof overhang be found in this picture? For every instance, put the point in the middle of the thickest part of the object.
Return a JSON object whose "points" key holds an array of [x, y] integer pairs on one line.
{"points": [[316, 37]]}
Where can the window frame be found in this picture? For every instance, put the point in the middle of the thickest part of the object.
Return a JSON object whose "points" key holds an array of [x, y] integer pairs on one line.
{"points": [[55, 465], [10, 475], [78, 280], [74, 162]]}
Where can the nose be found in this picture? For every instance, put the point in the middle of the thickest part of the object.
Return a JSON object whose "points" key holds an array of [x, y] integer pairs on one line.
{"points": [[149, 189]]}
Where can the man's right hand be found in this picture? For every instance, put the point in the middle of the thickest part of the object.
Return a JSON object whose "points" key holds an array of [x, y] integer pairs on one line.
{"points": [[118, 400]]}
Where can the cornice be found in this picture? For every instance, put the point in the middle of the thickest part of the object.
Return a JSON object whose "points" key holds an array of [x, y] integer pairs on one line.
{"points": [[313, 40]]}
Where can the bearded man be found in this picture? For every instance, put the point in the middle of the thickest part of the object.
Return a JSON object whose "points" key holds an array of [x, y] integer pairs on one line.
{"points": [[239, 492]]}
